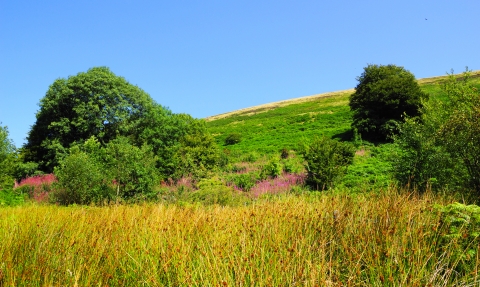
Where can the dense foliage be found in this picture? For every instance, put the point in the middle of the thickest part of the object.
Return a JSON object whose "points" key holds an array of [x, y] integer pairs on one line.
{"points": [[121, 142], [7, 159], [99, 103], [326, 161], [442, 148], [383, 95]]}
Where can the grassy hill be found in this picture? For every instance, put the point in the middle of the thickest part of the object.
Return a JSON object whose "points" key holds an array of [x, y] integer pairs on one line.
{"points": [[268, 129], [271, 127]]}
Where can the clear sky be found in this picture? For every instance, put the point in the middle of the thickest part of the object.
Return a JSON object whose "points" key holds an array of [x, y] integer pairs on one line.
{"points": [[209, 57]]}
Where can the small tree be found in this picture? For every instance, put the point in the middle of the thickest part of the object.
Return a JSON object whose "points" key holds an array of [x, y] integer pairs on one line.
{"points": [[384, 94], [326, 161]]}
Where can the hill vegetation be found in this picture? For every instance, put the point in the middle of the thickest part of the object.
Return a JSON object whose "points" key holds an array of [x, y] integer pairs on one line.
{"points": [[284, 194]]}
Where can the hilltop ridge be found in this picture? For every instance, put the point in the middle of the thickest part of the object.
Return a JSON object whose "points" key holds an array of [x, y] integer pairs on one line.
{"points": [[273, 105]]}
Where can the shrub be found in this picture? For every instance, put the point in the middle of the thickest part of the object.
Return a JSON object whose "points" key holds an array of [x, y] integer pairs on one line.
{"points": [[244, 181], [460, 132], [251, 157], [233, 138], [292, 165], [382, 97], [326, 161], [284, 153], [213, 191], [9, 197], [422, 162], [81, 180], [198, 154], [132, 169], [272, 169], [7, 160]]}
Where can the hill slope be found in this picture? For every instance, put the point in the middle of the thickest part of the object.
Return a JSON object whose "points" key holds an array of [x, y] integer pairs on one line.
{"points": [[253, 110], [268, 129]]}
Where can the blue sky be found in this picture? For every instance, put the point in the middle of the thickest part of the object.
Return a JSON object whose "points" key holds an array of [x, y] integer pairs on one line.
{"points": [[209, 57]]}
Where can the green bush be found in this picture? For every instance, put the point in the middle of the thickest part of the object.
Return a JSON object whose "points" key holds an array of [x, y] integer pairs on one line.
{"points": [[251, 157], [198, 155], [9, 197], [7, 160], [422, 162], [272, 169], [245, 181], [233, 138], [81, 180], [292, 165], [284, 153], [326, 161], [382, 97], [213, 191], [132, 169]]}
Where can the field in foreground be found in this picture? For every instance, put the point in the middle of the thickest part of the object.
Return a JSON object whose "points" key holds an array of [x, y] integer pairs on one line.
{"points": [[375, 239]]}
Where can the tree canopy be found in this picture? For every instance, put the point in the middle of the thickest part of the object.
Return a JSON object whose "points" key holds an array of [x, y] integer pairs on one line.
{"points": [[95, 103], [384, 94], [100, 104]]}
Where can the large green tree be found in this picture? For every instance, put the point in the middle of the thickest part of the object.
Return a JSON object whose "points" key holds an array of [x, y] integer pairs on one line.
{"points": [[93, 103], [383, 96]]}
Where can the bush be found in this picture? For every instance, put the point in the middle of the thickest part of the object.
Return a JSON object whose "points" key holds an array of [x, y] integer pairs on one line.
{"points": [[213, 191], [37, 187], [272, 169], [9, 197], [326, 161], [232, 139], [81, 180], [292, 165], [251, 157], [460, 132], [132, 169], [7, 160], [284, 153], [244, 181], [422, 162], [382, 97], [198, 154]]}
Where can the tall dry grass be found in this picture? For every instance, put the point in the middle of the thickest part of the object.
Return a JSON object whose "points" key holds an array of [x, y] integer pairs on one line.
{"points": [[324, 240]]}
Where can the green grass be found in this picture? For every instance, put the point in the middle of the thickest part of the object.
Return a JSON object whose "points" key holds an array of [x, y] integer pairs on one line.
{"points": [[269, 130]]}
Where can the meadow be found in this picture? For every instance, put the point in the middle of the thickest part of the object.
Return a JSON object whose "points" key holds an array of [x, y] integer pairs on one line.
{"points": [[319, 239]]}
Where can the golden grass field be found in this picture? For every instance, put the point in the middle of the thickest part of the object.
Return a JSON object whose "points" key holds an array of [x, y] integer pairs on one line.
{"points": [[371, 239]]}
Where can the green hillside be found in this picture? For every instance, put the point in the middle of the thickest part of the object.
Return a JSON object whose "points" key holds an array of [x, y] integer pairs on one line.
{"points": [[270, 128]]}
